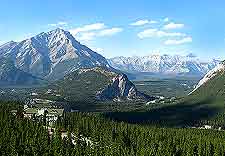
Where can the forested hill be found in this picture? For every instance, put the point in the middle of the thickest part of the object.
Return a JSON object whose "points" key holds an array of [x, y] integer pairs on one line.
{"points": [[97, 84]]}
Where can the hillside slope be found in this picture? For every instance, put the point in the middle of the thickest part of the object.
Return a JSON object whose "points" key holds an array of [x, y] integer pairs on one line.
{"points": [[11, 76], [212, 86], [204, 106]]}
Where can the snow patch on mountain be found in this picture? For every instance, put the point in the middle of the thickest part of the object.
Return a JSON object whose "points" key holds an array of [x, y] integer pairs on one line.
{"points": [[211, 74]]}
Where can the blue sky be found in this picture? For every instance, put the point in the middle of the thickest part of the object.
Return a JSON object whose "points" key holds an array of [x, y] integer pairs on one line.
{"points": [[123, 27]]}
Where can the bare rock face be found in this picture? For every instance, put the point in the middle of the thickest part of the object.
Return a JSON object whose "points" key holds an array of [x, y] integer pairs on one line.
{"points": [[121, 88]]}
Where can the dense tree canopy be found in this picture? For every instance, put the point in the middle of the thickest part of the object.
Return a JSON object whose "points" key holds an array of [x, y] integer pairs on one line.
{"points": [[91, 134]]}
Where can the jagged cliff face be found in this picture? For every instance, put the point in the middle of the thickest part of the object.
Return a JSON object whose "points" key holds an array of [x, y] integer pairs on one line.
{"points": [[120, 88], [51, 55]]}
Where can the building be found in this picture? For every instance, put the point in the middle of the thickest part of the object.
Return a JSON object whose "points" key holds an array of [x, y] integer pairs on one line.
{"points": [[206, 127], [34, 94], [48, 115], [52, 115], [30, 112]]}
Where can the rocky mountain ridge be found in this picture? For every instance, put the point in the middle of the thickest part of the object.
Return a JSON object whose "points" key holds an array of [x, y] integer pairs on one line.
{"points": [[120, 88], [164, 64]]}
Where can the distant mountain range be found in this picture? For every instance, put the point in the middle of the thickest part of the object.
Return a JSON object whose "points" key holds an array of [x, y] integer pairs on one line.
{"points": [[51, 55], [164, 64], [56, 53]]}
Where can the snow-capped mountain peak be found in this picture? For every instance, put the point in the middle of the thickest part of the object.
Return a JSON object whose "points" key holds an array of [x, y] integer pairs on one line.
{"points": [[51, 54], [164, 64]]}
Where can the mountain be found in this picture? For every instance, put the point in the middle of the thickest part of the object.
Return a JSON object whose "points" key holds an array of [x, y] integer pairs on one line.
{"points": [[10, 75], [212, 86], [206, 101], [203, 106], [163, 64], [97, 84], [51, 55]]}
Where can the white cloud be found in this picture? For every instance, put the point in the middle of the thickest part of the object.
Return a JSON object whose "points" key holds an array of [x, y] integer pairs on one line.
{"points": [[59, 24], [147, 33], [173, 26], [143, 22], [166, 19], [158, 33], [99, 49], [86, 36], [152, 22], [90, 27], [177, 42], [109, 32], [140, 22], [168, 34], [88, 33]]}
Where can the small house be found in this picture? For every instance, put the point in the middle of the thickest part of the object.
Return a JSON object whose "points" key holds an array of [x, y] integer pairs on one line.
{"points": [[30, 112]]}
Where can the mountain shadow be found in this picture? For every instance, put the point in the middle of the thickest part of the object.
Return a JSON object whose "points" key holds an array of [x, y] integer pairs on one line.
{"points": [[178, 115]]}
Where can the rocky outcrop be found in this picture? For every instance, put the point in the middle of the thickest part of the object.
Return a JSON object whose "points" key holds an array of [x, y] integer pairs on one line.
{"points": [[121, 88]]}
